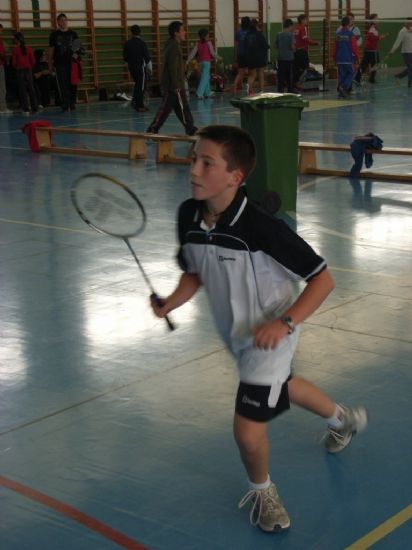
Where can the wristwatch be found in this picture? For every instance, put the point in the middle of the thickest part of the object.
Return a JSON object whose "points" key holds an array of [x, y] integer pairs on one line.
{"points": [[288, 321]]}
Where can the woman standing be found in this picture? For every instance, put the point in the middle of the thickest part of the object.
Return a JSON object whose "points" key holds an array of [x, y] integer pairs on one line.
{"points": [[23, 61]]}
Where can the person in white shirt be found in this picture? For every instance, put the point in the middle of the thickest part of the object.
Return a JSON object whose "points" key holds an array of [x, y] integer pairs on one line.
{"points": [[404, 40], [354, 29]]}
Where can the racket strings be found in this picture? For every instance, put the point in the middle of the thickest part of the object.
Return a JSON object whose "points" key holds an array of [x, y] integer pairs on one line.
{"points": [[108, 206]]}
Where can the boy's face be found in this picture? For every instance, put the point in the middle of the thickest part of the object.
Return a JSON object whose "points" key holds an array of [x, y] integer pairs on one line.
{"points": [[180, 35], [210, 178], [62, 23]]}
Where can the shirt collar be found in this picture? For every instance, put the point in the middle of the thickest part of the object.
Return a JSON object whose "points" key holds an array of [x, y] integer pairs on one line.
{"points": [[232, 213]]}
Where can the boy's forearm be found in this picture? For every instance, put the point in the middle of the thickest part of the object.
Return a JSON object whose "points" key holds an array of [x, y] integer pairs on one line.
{"points": [[311, 298], [186, 288]]}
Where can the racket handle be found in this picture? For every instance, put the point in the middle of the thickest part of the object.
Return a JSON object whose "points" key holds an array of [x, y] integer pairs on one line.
{"points": [[159, 302]]}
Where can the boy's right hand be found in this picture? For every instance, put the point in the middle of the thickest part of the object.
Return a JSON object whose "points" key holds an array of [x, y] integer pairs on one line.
{"points": [[158, 306], [269, 335]]}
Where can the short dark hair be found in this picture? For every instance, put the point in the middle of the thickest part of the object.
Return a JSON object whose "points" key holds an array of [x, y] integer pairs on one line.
{"points": [[350, 14], [174, 27], [301, 17], [135, 29], [345, 21], [61, 15], [287, 23], [238, 147], [203, 33]]}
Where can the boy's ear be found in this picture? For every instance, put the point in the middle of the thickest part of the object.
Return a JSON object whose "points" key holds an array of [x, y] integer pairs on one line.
{"points": [[237, 178]]}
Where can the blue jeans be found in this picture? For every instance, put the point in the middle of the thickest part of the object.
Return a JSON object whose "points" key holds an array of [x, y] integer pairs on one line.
{"points": [[203, 88], [345, 75]]}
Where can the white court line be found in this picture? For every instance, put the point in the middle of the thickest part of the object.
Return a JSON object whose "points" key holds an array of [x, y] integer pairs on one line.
{"points": [[71, 230], [13, 148]]}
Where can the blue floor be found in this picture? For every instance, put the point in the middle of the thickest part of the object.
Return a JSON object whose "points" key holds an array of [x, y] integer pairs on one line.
{"points": [[115, 432]]}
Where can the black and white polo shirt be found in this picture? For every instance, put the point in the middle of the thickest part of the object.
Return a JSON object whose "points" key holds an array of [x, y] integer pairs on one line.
{"points": [[250, 264]]}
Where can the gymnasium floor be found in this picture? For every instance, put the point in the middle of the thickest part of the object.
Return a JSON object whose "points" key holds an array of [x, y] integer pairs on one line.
{"points": [[115, 432]]}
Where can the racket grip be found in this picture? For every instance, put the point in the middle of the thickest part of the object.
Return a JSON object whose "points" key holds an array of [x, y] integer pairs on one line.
{"points": [[159, 302]]}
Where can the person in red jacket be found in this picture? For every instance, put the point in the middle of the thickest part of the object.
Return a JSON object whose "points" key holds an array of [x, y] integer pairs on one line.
{"points": [[370, 53], [301, 55], [23, 61]]}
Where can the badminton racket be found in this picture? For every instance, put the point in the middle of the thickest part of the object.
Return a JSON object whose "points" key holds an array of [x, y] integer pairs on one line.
{"points": [[111, 208]]}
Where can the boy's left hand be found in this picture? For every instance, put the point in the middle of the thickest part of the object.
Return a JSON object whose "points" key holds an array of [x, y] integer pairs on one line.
{"points": [[268, 335]]}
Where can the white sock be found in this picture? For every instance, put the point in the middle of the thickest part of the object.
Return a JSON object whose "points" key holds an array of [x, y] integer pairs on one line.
{"points": [[258, 486], [336, 421]]}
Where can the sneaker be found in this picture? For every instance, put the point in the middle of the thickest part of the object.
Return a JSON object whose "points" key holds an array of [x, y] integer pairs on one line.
{"points": [[6, 112], [355, 420], [342, 91], [267, 511]]}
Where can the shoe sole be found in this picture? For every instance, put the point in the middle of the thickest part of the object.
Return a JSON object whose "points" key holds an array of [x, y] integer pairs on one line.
{"points": [[276, 529]]}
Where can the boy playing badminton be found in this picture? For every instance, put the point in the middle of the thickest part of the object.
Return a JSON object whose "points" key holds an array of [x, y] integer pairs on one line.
{"points": [[249, 263]]}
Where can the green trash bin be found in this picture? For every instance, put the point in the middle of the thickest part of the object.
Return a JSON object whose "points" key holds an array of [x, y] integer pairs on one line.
{"points": [[273, 121]]}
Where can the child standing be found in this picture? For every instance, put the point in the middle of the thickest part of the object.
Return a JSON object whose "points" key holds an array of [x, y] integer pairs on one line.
{"points": [[371, 54], [284, 45], [249, 262], [346, 55], [204, 53], [302, 43], [23, 61]]}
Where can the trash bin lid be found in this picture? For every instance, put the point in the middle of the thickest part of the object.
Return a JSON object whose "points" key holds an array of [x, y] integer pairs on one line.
{"points": [[270, 100]]}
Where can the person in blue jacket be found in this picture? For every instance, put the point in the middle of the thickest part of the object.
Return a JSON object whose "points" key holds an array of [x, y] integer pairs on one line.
{"points": [[346, 56]]}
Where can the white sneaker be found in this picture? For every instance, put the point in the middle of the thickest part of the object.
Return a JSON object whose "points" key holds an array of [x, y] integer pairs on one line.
{"points": [[267, 511], [354, 421]]}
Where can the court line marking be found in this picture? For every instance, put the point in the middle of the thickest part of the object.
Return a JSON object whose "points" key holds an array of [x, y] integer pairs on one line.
{"points": [[60, 507], [291, 214], [382, 530]]}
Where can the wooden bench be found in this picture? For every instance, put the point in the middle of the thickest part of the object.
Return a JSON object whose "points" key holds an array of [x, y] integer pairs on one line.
{"points": [[308, 161], [136, 141]]}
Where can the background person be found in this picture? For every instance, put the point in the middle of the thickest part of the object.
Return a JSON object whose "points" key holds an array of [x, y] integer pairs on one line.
{"points": [[3, 90], [240, 53], [42, 78], [370, 57], [256, 55], [61, 56], [404, 41], [301, 55], [346, 56], [173, 83], [23, 61], [285, 46], [136, 55], [204, 53]]}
